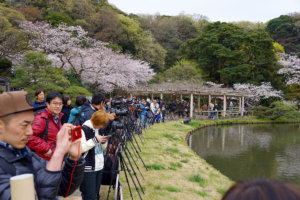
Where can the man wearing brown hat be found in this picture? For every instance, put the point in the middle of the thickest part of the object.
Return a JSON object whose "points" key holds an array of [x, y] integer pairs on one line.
{"points": [[16, 118]]}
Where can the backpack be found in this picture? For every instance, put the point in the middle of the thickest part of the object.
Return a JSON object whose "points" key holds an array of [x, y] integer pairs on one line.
{"points": [[78, 119]]}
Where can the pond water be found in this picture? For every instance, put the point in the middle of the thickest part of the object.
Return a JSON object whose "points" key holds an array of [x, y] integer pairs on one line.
{"points": [[251, 151]]}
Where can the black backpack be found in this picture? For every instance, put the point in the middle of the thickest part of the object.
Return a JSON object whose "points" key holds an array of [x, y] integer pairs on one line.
{"points": [[78, 119]]}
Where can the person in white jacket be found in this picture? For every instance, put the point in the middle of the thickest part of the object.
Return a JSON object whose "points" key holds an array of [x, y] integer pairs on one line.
{"points": [[92, 147]]}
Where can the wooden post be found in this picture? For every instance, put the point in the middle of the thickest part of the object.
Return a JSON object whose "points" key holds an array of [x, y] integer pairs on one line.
{"points": [[191, 106], [240, 104], [161, 96], [180, 97], [209, 99], [152, 96], [224, 105], [130, 95], [199, 104]]}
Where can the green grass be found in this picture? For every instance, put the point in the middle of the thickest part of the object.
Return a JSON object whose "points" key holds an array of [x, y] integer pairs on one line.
{"points": [[173, 150], [221, 191], [202, 193], [155, 167], [198, 179], [184, 161], [169, 136], [157, 187], [172, 189], [172, 164]]}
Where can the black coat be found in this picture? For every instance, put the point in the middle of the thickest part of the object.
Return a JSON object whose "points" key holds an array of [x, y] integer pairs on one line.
{"points": [[88, 110], [47, 184]]}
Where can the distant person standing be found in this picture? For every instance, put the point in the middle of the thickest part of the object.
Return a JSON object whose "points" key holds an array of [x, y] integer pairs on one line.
{"points": [[67, 107], [172, 108], [211, 109], [180, 108], [39, 99]]}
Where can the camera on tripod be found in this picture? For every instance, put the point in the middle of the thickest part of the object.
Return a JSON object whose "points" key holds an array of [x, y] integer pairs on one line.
{"points": [[118, 107], [117, 125]]}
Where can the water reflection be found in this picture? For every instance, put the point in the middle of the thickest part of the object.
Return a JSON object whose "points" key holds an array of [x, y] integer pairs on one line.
{"points": [[251, 151]]}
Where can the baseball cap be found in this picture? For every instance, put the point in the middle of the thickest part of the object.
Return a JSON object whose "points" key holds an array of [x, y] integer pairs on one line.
{"points": [[15, 102]]}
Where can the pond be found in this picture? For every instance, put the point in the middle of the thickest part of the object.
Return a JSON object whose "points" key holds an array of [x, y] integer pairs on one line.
{"points": [[251, 151]]}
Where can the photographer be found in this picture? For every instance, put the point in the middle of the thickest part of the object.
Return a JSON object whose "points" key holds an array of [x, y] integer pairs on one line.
{"points": [[97, 103], [16, 118], [92, 145], [143, 111]]}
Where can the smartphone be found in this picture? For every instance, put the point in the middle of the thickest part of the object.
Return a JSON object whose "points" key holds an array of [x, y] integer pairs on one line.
{"points": [[76, 133]]}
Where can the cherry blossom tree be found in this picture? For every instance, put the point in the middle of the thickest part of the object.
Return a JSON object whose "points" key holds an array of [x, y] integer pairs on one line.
{"points": [[291, 69], [256, 93], [70, 48]]}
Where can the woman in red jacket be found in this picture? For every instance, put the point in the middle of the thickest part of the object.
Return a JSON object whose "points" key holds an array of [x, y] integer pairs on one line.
{"points": [[46, 126]]}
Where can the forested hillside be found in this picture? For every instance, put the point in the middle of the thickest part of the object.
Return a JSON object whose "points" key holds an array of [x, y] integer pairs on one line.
{"points": [[224, 53]]}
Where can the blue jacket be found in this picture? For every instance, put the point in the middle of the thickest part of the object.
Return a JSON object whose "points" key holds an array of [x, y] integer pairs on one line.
{"points": [[143, 112], [38, 104], [47, 184], [73, 113]]}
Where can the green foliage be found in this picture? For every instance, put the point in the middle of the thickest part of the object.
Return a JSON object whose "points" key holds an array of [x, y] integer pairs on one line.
{"points": [[155, 167], [261, 112], [37, 72], [173, 150], [141, 44], [11, 39], [278, 47], [283, 110], [293, 92], [31, 13], [281, 26], [5, 67], [285, 30], [183, 70], [173, 165], [198, 179], [172, 189], [236, 74], [170, 32], [221, 191], [246, 25], [75, 91], [184, 161], [224, 48], [56, 18], [202, 193]]}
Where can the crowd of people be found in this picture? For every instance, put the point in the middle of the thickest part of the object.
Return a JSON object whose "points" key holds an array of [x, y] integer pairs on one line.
{"points": [[36, 138]]}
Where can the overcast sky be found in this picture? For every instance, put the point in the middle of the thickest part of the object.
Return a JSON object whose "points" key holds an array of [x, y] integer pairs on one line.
{"points": [[215, 10]]}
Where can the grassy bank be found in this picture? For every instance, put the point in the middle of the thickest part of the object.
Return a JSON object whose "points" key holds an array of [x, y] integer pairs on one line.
{"points": [[175, 171]]}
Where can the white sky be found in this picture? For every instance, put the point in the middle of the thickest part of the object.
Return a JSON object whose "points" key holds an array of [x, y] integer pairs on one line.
{"points": [[215, 10]]}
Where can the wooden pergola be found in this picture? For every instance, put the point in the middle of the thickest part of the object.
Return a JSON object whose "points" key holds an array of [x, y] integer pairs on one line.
{"points": [[191, 90]]}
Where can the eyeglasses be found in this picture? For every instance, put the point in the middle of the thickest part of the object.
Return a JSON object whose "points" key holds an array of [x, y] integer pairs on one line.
{"points": [[57, 103]]}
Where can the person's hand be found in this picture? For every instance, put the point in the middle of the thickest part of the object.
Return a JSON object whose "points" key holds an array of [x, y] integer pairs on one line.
{"points": [[48, 154], [74, 148], [64, 139], [101, 138], [112, 116]]}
